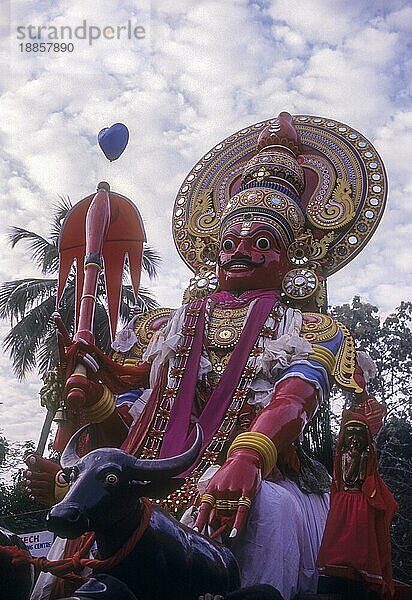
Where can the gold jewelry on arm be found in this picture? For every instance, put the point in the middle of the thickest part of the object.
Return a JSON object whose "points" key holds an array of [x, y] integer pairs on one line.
{"points": [[259, 442], [99, 412], [245, 501], [209, 499]]}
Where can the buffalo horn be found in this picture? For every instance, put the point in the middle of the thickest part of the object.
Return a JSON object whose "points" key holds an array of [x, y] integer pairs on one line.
{"points": [[169, 467], [69, 456]]}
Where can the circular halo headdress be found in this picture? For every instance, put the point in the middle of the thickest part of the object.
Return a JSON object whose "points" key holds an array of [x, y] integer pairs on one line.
{"points": [[327, 177]]}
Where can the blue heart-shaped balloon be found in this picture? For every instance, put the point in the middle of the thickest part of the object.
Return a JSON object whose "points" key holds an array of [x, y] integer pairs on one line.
{"points": [[113, 140]]}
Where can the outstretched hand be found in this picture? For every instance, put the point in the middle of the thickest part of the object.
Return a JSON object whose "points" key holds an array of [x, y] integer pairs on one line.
{"points": [[230, 492], [40, 479]]}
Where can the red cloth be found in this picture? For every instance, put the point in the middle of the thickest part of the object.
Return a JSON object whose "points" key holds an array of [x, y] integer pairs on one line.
{"points": [[374, 412], [62, 588], [356, 542]]}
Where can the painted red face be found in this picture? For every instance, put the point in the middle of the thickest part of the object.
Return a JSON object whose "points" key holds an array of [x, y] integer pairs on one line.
{"points": [[250, 262]]}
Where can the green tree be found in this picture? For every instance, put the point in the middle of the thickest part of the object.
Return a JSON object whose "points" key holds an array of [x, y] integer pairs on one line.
{"points": [[29, 303], [14, 501], [389, 343], [12, 497], [394, 444]]}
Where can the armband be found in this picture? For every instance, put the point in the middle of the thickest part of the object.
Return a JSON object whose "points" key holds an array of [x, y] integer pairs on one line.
{"points": [[261, 443], [102, 409], [333, 348]]}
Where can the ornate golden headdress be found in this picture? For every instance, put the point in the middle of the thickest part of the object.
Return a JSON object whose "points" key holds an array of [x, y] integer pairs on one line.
{"points": [[271, 184], [321, 183]]}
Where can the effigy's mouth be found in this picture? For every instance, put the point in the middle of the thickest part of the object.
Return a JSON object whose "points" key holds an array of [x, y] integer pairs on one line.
{"points": [[240, 264]]}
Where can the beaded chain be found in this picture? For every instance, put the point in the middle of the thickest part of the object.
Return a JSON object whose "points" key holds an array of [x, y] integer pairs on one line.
{"points": [[156, 433], [178, 501]]}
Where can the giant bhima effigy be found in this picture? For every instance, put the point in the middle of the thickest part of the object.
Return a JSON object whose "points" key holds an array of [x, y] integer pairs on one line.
{"points": [[262, 220]]}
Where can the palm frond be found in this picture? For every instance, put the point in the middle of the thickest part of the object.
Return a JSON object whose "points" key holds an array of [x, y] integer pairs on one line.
{"points": [[60, 210], [17, 298], [47, 355], [126, 304], [151, 261], [66, 306], [24, 339], [43, 252], [102, 328], [146, 301]]}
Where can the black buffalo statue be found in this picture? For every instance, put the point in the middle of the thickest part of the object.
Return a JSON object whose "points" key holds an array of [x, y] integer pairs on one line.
{"points": [[170, 560]]}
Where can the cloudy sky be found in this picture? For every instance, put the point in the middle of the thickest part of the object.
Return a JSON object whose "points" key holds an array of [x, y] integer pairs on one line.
{"points": [[204, 69]]}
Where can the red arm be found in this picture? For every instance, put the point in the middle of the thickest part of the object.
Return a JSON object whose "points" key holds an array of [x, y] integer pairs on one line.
{"points": [[293, 404]]}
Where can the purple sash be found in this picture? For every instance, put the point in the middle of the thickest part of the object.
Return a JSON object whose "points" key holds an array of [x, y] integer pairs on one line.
{"points": [[176, 437]]}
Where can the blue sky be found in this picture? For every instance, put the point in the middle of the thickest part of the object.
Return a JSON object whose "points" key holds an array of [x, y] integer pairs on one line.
{"points": [[205, 69]]}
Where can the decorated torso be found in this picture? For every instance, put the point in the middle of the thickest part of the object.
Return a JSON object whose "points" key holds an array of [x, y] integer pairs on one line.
{"points": [[235, 376]]}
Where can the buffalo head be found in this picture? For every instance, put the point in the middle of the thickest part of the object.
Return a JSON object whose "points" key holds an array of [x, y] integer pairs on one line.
{"points": [[106, 484]]}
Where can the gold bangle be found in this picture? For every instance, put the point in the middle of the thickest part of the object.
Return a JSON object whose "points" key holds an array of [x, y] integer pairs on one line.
{"points": [[93, 264], [226, 504], [209, 499], [76, 389], [104, 407], [245, 501], [262, 444], [76, 373], [88, 296]]}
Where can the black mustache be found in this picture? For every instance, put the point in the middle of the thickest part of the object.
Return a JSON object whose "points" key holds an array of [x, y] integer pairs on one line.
{"points": [[243, 261]]}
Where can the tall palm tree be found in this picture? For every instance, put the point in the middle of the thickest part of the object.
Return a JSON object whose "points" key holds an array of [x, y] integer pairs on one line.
{"points": [[29, 303]]}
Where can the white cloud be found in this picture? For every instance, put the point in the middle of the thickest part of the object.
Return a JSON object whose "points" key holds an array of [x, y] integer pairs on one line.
{"points": [[206, 69]]}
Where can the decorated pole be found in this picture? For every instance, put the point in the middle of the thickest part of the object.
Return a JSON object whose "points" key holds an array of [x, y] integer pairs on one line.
{"points": [[98, 234], [97, 225]]}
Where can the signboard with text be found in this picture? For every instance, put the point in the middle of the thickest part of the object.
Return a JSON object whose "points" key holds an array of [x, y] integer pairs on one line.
{"points": [[38, 543]]}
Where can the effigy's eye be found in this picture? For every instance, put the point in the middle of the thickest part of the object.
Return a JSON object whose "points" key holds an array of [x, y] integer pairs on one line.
{"points": [[228, 245], [263, 243]]}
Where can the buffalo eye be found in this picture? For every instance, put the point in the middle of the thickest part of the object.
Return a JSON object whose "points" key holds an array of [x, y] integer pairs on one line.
{"points": [[228, 245], [111, 479], [263, 243]]}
